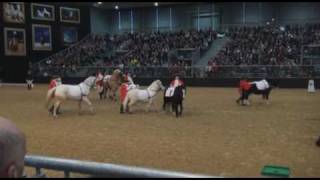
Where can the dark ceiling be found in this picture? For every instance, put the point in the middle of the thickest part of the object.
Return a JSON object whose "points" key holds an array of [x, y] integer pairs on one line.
{"points": [[126, 5]]}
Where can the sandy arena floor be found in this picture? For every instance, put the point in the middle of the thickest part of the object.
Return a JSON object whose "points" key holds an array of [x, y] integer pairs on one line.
{"points": [[215, 136]]}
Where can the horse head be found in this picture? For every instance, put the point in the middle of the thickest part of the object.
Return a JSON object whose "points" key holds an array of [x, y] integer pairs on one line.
{"points": [[117, 72], [156, 86], [90, 81], [160, 85], [273, 83]]}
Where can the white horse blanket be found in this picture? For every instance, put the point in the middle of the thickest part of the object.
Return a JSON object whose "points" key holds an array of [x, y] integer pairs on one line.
{"points": [[261, 85]]}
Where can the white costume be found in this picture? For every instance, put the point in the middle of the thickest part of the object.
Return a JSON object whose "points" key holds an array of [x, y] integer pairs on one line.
{"points": [[175, 83], [261, 85], [170, 91]]}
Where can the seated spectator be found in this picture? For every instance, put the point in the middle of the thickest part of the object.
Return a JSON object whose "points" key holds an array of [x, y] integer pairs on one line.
{"points": [[12, 150]]}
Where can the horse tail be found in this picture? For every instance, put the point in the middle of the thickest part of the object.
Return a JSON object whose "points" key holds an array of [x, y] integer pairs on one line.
{"points": [[50, 95]]}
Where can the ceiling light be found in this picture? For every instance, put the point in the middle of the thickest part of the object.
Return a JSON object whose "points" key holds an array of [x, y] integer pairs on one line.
{"points": [[116, 7], [156, 4], [99, 3]]}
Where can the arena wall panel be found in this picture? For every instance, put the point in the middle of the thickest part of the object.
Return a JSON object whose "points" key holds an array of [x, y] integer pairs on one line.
{"points": [[203, 82], [15, 67]]}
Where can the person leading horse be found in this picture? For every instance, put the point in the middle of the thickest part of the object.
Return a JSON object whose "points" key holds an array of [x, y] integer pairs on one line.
{"points": [[247, 88]]}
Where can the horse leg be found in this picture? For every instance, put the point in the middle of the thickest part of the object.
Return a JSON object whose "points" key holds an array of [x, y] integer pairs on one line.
{"points": [[85, 99], [56, 105], [149, 105], [101, 93], [80, 107], [267, 98], [130, 104], [105, 92], [164, 104]]}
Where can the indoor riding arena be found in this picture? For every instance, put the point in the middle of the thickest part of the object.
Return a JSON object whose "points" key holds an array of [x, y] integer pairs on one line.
{"points": [[246, 77]]}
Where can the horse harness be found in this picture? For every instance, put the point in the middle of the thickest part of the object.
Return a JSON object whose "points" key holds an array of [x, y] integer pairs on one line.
{"points": [[82, 94], [149, 96]]}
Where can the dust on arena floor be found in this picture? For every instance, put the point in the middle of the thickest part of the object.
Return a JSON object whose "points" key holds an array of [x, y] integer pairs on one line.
{"points": [[215, 136]]}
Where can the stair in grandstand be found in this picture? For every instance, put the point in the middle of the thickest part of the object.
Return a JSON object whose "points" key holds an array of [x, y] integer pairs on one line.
{"points": [[213, 50]]}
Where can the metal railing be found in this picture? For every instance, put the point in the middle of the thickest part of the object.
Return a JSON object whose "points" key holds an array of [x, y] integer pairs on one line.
{"points": [[252, 71], [94, 169]]}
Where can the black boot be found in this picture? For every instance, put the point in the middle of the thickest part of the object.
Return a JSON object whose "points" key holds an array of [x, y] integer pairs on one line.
{"points": [[318, 142], [51, 109], [58, 110], [121, 109]]}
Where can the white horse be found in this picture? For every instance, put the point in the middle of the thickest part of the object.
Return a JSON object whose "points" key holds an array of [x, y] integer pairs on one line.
{"points": [[71, 92], [145, 95]]}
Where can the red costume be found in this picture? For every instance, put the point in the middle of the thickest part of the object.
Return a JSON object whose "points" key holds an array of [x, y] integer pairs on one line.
{"points": [[99, 77], [53, 83], [123, 91], [176, 83], [244, 85]]}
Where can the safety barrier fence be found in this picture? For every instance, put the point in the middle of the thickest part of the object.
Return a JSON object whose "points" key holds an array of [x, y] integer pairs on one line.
{"points": [[94, 169], [250, 71]]}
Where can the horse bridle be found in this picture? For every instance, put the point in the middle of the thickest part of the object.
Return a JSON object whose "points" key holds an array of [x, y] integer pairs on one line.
{"points": [[93, 84], [154, 94]]}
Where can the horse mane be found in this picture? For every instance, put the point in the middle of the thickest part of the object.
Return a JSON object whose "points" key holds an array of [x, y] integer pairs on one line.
{"points": [[88, 80]]}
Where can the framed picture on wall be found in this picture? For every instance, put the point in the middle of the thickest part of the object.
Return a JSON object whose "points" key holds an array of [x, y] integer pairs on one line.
{"points": [[13, 12], [42, 12], [71, 15], [69, 35], [14, 42], [41, 37]]}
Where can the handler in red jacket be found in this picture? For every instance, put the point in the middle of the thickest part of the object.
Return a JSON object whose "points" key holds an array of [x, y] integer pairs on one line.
{"points": [[123, 93], [55, 81], [243, 87], [176, 82]]}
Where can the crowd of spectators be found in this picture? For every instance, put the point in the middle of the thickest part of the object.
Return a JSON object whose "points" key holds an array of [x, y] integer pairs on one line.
{"points": [[82, 54], [143, 49], [270, 44]]}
